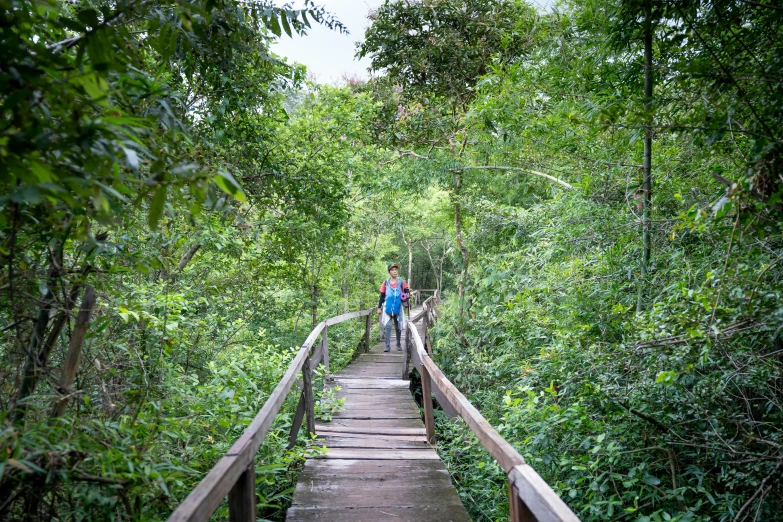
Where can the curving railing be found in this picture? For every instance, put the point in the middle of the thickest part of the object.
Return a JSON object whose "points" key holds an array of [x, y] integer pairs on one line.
{"points": [[530, 498], [234, 474]]}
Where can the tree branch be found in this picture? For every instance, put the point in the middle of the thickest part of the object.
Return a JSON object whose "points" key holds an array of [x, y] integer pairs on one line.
{"points": [[518, 169]]}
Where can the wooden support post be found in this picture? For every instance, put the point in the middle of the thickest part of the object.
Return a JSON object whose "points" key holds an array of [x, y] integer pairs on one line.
{"points": [[518, 511], [325, 342], [296, 424], [367, 333], [427, 344], [307, 392], [426, 398], [242, 497], [406, 357]]}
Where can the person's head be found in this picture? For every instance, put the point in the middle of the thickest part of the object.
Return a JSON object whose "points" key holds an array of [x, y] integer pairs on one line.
{"points": [[394, 269]]}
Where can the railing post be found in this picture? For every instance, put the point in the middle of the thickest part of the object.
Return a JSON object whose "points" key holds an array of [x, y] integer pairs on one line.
{"points": [[242, 497], [325, 342], [426, 398], [367, 333], [427, 345], [307, 393], [406, 357], [518, 511]]}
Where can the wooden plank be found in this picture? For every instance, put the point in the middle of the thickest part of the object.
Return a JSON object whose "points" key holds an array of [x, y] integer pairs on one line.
{"points": [[372, 368], [321, 428], [242, 497], [385, 514], [416, 495], [376, 423], [357, 382], [391, 372], [330, 478], [392, 439], [380, 454], [539, 498], [390, 467], [375, 359], [373, 442], [370, 415], [379, 409]]}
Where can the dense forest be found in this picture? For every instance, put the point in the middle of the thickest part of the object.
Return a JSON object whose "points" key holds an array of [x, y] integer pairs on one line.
{"points": [[595, 187]]}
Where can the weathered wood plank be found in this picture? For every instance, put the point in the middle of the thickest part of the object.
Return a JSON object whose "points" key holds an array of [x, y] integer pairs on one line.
{"points": [[322, 428], [375, 423], [378, 497], [358, 382], [390, 467], [370, 414], [378, 409], [375, 358], [370, 436], [379, 454], [374, 442], [242, 497], [385, 514]]}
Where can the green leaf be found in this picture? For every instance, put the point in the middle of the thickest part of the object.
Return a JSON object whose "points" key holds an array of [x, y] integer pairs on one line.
{"points": [[156, 207], [286, 26], [666, 378], [229, 185], [274, 26]]}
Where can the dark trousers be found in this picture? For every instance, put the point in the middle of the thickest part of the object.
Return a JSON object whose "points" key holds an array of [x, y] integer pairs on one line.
{"points": [[393, 318]]}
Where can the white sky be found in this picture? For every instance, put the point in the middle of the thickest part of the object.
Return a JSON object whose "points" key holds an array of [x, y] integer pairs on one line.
{"points": [[329, 54]]}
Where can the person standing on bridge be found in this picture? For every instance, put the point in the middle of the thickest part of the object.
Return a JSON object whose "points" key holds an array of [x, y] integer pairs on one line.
{"points": [[394, 298]]}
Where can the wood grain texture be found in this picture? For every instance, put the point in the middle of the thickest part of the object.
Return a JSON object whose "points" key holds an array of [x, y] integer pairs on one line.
{"points": [[539, 498], [242, 497], [378, 463]]}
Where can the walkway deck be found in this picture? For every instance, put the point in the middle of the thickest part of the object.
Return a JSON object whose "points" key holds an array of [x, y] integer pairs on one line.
{"points": [[379, 466]]}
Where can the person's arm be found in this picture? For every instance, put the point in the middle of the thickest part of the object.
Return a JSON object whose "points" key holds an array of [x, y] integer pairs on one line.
{"points": [[382, 298]]}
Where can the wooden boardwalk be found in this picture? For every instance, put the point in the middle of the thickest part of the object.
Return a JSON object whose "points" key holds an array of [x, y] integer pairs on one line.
{"points": [[379, 466]]}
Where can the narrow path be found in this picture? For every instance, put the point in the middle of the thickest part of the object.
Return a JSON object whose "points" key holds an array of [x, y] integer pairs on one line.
{"points": [[379, 466]]}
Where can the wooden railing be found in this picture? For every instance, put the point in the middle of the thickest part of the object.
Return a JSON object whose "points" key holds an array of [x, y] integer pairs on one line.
{"points": [[234, 474], [530, 498]]}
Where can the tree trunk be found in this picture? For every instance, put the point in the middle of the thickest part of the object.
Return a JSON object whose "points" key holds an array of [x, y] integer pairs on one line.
{"points": [[647, 164], [462, 247], [37, 346], [188, 256], [410, 255], [428, 248], [314, 305], [71, 364]]}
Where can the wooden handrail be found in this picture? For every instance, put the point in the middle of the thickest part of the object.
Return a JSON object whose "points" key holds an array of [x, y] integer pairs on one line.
{"points": [[234, 473], [530, 498]]}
